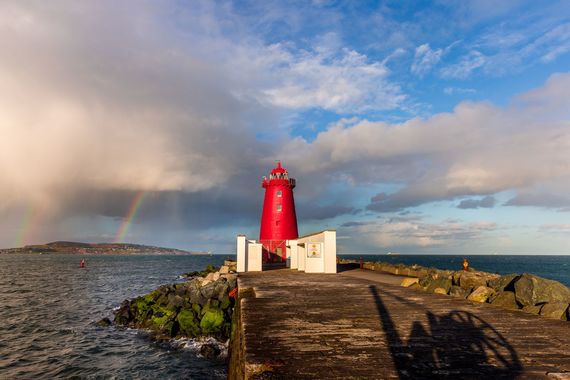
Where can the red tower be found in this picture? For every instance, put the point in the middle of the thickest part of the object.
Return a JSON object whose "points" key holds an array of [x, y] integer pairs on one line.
{"points": [[278, 219]]}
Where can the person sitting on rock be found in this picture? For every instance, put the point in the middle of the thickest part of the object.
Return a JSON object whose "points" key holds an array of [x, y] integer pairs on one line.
{"points": [[465, 264]]}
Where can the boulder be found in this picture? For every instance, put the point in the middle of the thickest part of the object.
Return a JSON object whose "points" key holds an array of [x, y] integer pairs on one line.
{"points": [[407, 282], [209, 351], [103, 322], [505, 299], [440, 291], [532, 290], [481, 294], [472, 280], [503, 282], [555, 310], [532, 309], [435, 280], [459, 292], [224, 269]]}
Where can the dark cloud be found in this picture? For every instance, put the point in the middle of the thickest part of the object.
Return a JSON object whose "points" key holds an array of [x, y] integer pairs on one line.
{"points": [[541, 199], [486, 202]]}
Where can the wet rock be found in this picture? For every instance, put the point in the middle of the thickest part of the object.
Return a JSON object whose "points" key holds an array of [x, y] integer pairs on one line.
{"points": [[105, 322], [210, 351], [459, 292], [532, 290], [505, 299], [481, 294], [555, 310], [407, 282]]}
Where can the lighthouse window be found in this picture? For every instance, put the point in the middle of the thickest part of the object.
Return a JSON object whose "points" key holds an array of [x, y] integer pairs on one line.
{"points": [[279, 207], [279, 193]]}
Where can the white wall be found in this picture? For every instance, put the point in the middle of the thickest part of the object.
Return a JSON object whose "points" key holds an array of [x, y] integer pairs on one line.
{"points": [[241, 254], [326, 263], [292, 244], [254, 262]]}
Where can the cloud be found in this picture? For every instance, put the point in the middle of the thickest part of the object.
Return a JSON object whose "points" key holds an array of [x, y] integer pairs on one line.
{"points": [[458, 91], [424, 59], [345, 82], [540, 198], [397, 233], [472, 151], [463, 69], [486, 202]]}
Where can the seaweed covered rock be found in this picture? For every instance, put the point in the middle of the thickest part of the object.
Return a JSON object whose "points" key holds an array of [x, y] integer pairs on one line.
{"points": [[192, 309]]}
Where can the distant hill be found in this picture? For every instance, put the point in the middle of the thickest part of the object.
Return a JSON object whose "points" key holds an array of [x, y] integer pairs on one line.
{"points": [[72, 247]]}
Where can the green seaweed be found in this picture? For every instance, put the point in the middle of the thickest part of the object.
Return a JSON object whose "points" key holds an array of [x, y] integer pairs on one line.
{"points": [[188, 323], [212, 321]]}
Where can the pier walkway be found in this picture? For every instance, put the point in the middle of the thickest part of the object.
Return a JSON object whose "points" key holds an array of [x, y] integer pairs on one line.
{"points": [[361, 325]]}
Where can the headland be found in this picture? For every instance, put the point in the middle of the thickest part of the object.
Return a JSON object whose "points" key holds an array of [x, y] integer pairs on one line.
{"points": [[69, 247]]}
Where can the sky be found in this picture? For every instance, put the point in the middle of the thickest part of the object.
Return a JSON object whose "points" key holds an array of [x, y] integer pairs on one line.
{"points": [[415, 127]]}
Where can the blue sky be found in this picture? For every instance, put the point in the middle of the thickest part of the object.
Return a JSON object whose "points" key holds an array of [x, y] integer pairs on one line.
{"points": [[417, 127]]}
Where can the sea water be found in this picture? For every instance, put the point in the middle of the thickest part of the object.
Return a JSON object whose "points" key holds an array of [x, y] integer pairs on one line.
{"points": [[48, 306]]}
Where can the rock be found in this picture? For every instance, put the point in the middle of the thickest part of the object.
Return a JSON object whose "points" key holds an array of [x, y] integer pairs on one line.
{"points": [[472, 280], [555, 310], [435, 280], [440, 291], [415, 286], [209, 277], [224, 269], [532, 290], [105, 322], [175, 301], [210, 351], [189, 325], [208, 290], [459, 292], [532, 309], [504, 282], [407, 282], [481, 294], [216, 276], [505, 299], [212, 321]]}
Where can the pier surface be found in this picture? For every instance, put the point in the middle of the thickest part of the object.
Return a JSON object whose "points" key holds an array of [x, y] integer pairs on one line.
{"points": [[359, 324]]}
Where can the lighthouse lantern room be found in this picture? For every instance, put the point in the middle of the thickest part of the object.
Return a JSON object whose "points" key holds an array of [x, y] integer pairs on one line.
{"points": [[278, 218]]}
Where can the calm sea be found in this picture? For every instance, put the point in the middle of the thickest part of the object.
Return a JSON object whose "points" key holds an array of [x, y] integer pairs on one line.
{"points": [[552, 267], [48, 306]]}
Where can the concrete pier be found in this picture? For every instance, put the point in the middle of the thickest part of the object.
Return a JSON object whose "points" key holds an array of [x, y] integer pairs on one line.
{"points": [[361, 325]]}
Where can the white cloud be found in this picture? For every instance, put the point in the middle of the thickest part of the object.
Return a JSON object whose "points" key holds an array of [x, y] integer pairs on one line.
{"points": [[425, 59], [465, 66], [458, 91], [478, 149]]}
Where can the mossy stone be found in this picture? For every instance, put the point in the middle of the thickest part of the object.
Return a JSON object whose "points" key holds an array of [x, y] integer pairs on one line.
{"points": [[188, 323], [160, 316], [225, 303], [212, 321], [197, 308]]}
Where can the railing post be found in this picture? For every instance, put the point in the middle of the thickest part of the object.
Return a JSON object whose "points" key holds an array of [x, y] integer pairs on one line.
{"points": [[361, 265]]}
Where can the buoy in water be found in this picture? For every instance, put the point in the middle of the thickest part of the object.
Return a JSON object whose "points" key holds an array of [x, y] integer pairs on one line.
{"points": [[82, 263]]}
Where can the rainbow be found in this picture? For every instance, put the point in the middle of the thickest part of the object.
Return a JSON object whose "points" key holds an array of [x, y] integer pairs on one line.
{"points": [[29, 221], [131, 214]]}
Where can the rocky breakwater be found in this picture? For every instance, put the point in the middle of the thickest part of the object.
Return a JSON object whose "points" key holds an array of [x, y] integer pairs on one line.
{"points": [[525, 292], [198, 308]]}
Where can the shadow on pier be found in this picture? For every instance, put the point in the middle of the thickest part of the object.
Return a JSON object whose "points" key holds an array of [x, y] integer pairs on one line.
{"points": [[457, 344]]}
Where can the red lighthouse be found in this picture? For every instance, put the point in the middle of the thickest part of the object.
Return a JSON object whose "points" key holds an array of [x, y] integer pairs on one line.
{"points": [[278, 219]]}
